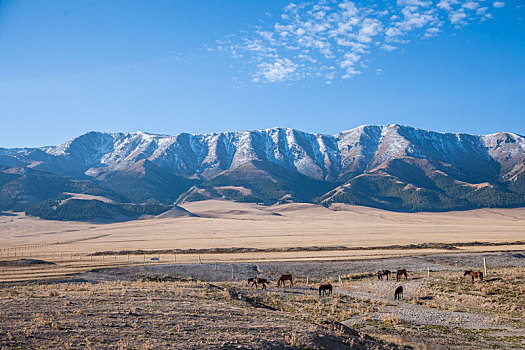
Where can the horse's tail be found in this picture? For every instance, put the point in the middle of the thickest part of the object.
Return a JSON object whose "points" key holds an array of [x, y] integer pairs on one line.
{"points": [[481, 276]]}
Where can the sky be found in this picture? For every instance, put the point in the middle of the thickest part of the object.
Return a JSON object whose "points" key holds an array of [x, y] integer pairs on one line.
{"points": [[69, 67]]}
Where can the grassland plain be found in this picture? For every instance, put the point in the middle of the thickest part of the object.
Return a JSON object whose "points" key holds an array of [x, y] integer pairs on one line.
{"points": [[101, 286], [223, 224]]}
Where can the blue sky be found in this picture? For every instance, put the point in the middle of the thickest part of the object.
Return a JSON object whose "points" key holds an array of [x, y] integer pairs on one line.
{"points": [[68, 67]]}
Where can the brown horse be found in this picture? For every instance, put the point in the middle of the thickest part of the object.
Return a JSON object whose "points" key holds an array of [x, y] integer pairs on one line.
{"points": [[325, 289], [283, 278], [382, 273], [262, 281], [474, 275], [400, 273], [253, 282], [256, 281], [398, 294]]}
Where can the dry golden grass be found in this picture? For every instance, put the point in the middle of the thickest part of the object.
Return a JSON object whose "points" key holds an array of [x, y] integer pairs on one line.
{"points": [[151, 315], [225, 224]]}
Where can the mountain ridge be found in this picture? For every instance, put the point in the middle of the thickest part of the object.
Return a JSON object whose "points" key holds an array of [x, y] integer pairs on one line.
{"points": [[364, 165]]}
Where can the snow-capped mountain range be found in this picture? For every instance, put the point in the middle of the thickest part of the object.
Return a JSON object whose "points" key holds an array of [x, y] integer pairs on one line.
{"points": [[205, 162]]}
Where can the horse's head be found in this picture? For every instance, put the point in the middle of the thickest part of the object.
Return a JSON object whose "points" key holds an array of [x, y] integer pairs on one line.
{"points": [[467, 273]]}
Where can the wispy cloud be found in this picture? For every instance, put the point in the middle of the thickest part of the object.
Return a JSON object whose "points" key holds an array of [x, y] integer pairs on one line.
{"points": [[328, 39]]}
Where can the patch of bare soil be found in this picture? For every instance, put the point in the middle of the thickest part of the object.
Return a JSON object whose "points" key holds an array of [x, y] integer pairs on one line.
{"points": [[25, 262]]}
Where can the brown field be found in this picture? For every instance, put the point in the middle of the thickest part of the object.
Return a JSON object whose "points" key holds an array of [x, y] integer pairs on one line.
{"points": [[225, 224], [116, 308]]}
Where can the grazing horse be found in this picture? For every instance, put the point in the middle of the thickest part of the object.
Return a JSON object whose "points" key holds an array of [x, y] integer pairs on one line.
{"points": [[382, 273], [325, 289], [253, 282], [283, 278], [262, 281], [256, 281], [474, 274], [400, 273], [398, 294]]}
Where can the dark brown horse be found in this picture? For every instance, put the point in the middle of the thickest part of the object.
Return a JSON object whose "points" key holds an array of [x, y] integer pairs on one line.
{"points": [[325, 289], [262, 281], [283, 278], [256, 281], [253, 282], [400, 273], [474, 275], [382, 273], [398, 294]]}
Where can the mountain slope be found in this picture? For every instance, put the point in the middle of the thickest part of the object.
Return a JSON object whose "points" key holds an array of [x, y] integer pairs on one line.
{"points": [[393, 167]]}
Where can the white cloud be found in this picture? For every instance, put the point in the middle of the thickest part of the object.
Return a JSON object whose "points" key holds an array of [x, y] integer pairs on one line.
{"points": [[336, 38], [279, 70], [471, 5], [457, 17], [388, 47]]}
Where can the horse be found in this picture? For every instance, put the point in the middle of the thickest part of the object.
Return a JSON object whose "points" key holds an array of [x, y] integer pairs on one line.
{"points": [[400, 273], [325, 289], [262, 281], [283, 278], [382, 273], [474, 275], [398, 294], [257, 280]]}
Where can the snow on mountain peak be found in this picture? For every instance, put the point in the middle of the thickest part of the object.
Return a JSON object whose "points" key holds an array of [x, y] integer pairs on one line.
{"points": [[315, 155]]}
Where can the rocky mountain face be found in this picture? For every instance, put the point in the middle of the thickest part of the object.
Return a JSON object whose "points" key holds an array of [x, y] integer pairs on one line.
{"points": [[392, 167]]}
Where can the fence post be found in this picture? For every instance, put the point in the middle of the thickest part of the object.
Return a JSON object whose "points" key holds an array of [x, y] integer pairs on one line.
{"points": [[232, 273], [200, 262], [340, 281], [144, 256], [485, 266], [307, 281], [428, 272]]}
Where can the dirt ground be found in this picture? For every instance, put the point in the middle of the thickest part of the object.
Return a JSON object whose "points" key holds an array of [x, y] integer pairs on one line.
{"points": [[192, 306]]}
